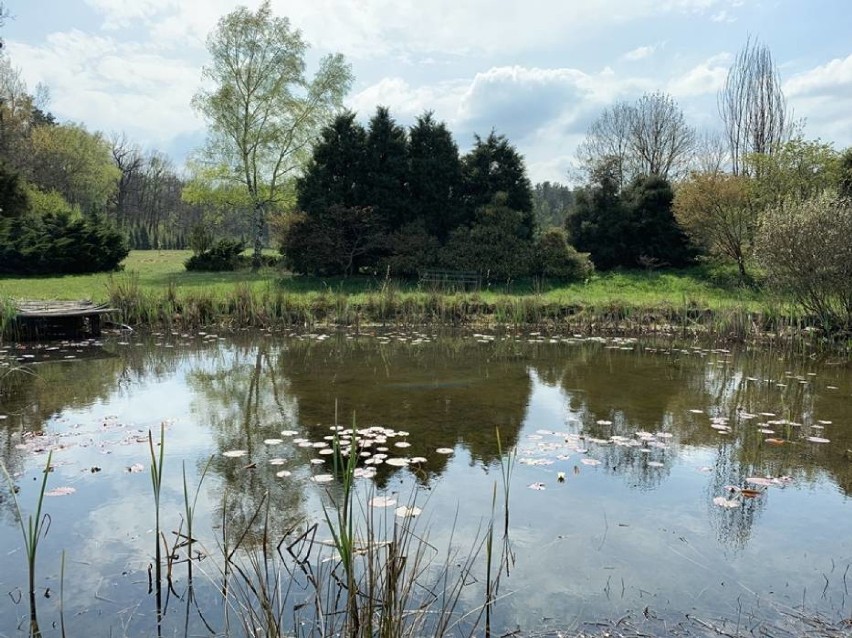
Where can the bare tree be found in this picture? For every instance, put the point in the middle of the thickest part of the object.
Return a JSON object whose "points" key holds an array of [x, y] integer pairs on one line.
{"points": [[711, 152], [648, 137], [752, 106], [128, 158]]}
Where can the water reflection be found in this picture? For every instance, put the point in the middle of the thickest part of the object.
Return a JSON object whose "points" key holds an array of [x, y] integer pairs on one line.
{"points": [[672, 429]]}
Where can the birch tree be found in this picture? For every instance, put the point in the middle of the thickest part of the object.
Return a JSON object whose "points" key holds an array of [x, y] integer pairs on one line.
{"points": [[263, 113]]}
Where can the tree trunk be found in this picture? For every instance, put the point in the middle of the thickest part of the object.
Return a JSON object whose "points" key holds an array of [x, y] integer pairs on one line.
{"points": [[259, 222]]}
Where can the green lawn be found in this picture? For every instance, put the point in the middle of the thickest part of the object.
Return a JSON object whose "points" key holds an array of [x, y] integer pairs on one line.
{"points": [[158, 269]]}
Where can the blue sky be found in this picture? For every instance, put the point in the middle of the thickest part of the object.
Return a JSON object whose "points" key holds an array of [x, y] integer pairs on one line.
{"points": [[538, 71]]}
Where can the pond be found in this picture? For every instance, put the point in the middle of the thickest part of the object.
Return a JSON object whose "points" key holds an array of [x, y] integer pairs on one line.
{"points": [[644, 486]]}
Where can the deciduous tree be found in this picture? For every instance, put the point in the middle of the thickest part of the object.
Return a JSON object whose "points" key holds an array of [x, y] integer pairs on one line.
{"points": [[752, 106], [263, 113]]}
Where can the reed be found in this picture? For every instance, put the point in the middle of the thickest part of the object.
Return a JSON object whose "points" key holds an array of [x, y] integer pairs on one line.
{"points": [[33, 529]]}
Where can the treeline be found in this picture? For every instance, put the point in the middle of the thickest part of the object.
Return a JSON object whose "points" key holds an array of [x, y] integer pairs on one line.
{"points": [[383, 199]]}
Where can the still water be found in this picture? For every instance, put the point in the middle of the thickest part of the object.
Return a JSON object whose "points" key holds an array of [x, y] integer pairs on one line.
{"points": [[675, 486]]}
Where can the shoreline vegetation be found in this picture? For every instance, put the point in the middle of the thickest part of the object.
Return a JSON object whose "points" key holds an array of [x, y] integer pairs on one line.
{"points": [[154, 292]]}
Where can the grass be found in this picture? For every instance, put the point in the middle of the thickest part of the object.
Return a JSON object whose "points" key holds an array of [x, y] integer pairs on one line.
{"points": [[154, 290]]}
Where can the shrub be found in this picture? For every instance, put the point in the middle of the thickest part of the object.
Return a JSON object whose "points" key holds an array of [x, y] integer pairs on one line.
{"points": [[493, 245], [807, 252], [59, 243], [556, 259], [412, 250], [222, 255]]}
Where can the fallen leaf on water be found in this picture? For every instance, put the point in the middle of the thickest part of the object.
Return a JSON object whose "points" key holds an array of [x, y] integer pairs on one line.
{"points": [[721, 501], [818, 439], [233, 454], [382, 501], [444, 450], [322, 478], [60, 491], [656, 464], [590, 462], [759, 480], [406, 512], [749, 493], [536, 486], [774, 441], [283, 473], [136, 467], [273, 441]]}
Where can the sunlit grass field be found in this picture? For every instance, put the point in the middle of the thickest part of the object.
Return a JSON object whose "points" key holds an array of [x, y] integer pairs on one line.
{"points": [[157, 270]]}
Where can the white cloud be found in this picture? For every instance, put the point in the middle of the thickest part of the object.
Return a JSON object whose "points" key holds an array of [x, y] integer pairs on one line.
{"points": [[705, 78], [113, 86], [823, 96], [639, 53]]}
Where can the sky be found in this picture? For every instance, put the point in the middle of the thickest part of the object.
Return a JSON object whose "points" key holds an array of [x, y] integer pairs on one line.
{"points": [[538, 71]]}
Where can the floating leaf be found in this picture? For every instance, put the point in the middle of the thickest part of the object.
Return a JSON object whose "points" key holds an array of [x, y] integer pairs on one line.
{"points": [[402, 444], [590, 462], [818, 439], [721, 501], [697, 411], [397, 462], [136, 468], [60, 491], [443, 450], [288, 433], [277, 461], [382, 501], [233, 454], [283, 473], [273, 441], [772, 441], [406, 512], [656, 464], [759, 480], [322, 478], [749, 493], [536, 486]]}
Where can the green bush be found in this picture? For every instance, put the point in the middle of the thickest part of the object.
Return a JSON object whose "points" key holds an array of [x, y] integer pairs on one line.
{"points": [[807, 252], [412, 250], [59, 243], [557, 260], [223, 255]]}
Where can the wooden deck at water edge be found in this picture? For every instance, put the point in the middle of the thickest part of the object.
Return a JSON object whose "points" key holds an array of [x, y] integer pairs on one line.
{"points": [[37, 320]]}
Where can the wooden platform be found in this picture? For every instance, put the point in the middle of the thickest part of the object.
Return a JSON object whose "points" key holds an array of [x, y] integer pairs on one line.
{"points": [[57, 319]]}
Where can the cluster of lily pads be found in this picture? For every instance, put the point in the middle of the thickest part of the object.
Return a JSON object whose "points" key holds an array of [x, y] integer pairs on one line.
{"points": [[375, 445]]}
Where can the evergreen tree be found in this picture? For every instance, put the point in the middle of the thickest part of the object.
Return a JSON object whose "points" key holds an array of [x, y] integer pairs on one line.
{"points": [[657, 239], [435, 177], [336, 174], [494, 166], [386, 182], [599, 224], [13, 197]]}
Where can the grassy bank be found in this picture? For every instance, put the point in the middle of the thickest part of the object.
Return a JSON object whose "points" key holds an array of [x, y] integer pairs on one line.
{"points": [[155, 290]]}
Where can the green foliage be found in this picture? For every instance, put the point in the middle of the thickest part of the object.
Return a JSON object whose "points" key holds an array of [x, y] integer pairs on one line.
{"points": [[386, 178], [58, 243], [412, 249], [799, 170], [657, 239], [41, 202], [336, 173], [76, 164], [334, 241], [719, 214], [806, 249], [223, 255], [263, 113], [435, 177], [599, 224], [552, 203], [496, 244], [14, 201], [557, 260], [494, 166], [200, 239], [845, 174]]}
